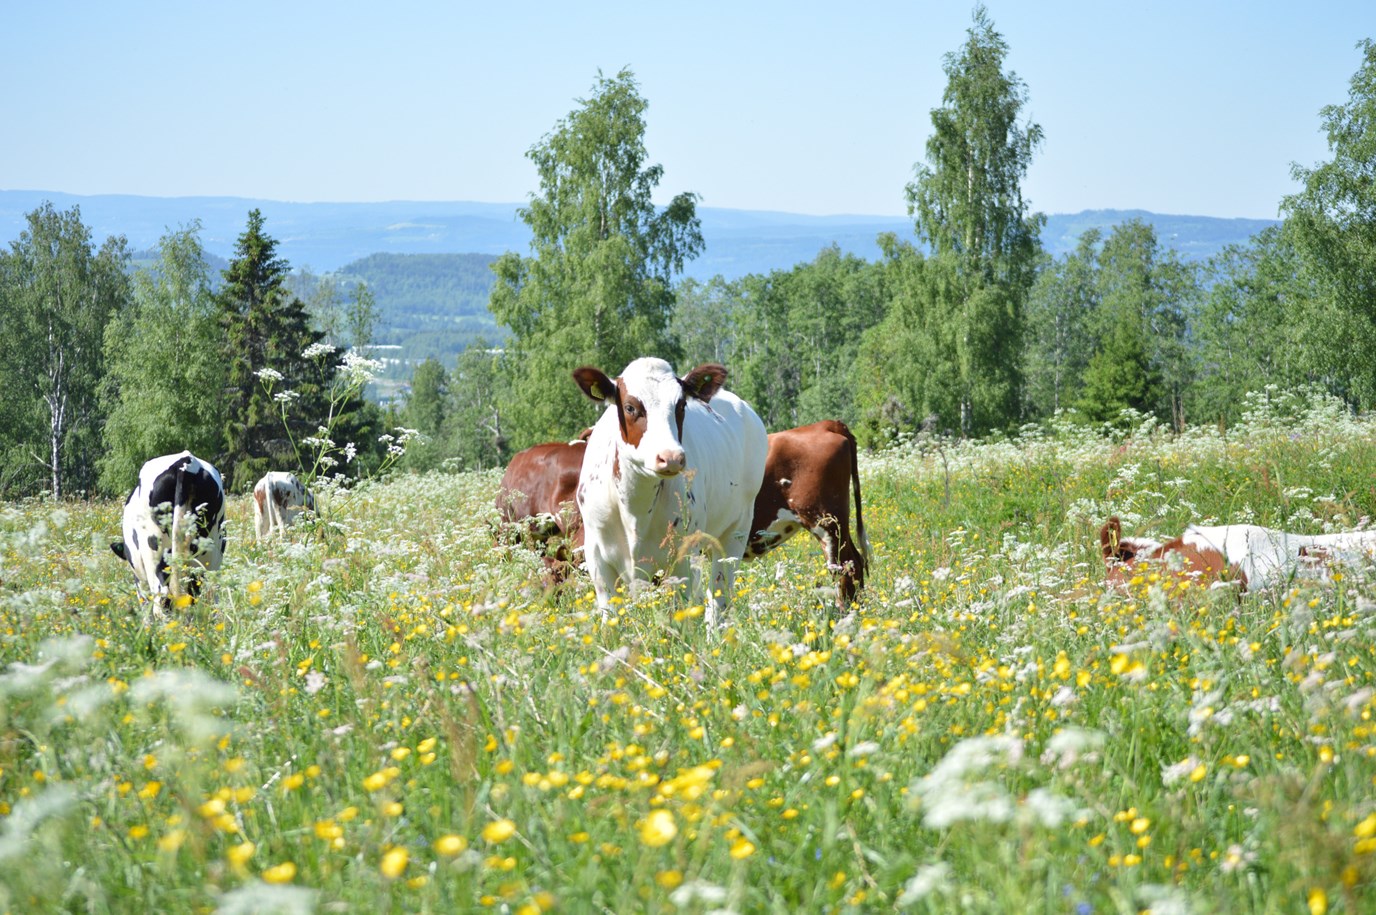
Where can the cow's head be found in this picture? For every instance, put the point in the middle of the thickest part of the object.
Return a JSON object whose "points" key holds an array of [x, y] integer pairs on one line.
{"points": [[650, 401]]}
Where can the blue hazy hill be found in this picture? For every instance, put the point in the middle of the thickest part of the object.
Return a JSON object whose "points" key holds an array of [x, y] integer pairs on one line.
{"points": [[327, 236]]}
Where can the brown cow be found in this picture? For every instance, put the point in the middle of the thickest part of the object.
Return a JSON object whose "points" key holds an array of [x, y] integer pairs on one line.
{"points": [[806, 479], [538, 492]]}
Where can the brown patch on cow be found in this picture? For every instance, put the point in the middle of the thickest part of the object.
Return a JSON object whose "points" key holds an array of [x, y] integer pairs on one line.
{"points": [[1175, 559], [812, 472], [631, 413], [260, 496]]}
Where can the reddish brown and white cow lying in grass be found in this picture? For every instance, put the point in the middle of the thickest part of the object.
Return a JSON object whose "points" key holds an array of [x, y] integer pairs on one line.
{"points": [[809, 477], [537, 499], [1255, 557]]}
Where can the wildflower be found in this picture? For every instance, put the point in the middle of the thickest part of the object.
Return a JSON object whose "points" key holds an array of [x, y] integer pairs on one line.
{"points": [[658, 828], [930, 878], [269, 375], [240, 854], [394, 862], [450, 845], [317, 349], [498, 831], [1318, 901], [742, 848], [280, 873]]}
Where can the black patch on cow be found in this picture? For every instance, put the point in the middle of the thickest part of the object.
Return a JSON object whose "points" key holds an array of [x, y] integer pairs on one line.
{"points": [[152, 542], [199, 493], [119, 550]]}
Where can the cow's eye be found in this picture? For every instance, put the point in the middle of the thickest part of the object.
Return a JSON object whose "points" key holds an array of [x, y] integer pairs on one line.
{"points": [[630, 409]]}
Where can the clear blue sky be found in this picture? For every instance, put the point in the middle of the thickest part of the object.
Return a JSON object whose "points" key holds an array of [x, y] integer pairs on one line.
{"points": [[1194, 107]]}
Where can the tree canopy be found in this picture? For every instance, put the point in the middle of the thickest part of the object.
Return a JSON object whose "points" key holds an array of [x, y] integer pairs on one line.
{"points": [[597, 287]]}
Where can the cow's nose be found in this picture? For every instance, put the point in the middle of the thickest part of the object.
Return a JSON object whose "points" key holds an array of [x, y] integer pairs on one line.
{"points": [[669, 462]]}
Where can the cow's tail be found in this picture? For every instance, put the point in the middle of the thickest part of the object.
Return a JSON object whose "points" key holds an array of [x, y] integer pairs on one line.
{"points": [[179, 549], [859, 511]]}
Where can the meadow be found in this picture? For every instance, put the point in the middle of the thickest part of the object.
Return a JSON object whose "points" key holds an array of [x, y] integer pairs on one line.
{"points": [[385, 711]]}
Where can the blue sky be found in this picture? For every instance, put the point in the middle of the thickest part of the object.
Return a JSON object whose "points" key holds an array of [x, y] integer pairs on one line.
{"points": [[1176, 107]]}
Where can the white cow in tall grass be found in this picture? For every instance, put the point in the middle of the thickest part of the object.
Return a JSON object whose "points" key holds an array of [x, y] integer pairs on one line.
{"points": [[672, 467]]}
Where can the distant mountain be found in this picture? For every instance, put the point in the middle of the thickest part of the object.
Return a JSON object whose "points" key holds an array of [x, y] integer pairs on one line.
{"points": [[326, 236]]}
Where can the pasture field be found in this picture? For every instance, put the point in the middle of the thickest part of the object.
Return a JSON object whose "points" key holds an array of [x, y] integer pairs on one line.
{"points": [[385, 712]]}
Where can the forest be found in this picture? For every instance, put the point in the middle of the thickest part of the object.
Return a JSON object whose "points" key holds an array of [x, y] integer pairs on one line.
{"points": [[965, 328]]}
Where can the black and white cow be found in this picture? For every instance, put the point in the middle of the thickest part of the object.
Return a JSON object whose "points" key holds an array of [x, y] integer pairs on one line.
{"points": [[173, 522], [277, 499]]}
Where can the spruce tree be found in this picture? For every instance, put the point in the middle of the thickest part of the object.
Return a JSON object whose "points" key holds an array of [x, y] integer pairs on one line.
{"points": [[267, 333]]}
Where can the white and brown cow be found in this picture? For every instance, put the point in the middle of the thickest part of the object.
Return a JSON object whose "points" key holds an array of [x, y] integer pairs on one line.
{"points": [[173, 526], [538, 497], [277, 499], [809, 478], [1255, 557], [672, 466]]}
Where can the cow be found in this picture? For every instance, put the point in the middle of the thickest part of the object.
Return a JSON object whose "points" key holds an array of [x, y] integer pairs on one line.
{"points": [[673, 465], [173, 527], [537, 496], [1255, 557], [809, 477], [277, 499]]}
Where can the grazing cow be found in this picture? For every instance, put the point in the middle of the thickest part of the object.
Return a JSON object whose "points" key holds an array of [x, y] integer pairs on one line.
{"points": [[173, 521], [809, 477], [277, 499], [539, 492], [1255, 557], [672, 465]]}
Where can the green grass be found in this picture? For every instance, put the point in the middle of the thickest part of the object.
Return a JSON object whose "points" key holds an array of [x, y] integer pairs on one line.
{"points": [[387, 713]]}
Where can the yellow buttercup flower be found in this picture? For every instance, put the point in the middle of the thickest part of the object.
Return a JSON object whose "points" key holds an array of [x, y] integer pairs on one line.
{"points": [[498, 831], [394, 862], [658, 829]]}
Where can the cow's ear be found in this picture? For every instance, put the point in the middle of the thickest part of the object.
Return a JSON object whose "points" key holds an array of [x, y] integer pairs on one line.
{"points": [[119, 550], [595, 384], [1111, 539], [705, 381]]}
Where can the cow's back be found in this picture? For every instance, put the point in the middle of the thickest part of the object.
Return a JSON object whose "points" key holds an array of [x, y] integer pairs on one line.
{"points": [[542, 479], [726, 446]]}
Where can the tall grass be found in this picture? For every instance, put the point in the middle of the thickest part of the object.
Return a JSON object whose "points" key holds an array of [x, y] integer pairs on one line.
{"points": [[387, 712]]}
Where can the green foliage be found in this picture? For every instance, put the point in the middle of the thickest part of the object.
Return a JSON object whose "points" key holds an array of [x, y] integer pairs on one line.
{"points": [[1258, 325], [1332, 222], [427, 411], [1060, 314], [475, 432], [166, 368], [968, 206], [905, 375], [597, 286], [57, 292]]}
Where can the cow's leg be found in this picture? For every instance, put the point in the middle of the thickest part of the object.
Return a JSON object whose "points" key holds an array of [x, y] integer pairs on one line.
{"points": [[827, 533], [852, 575]]}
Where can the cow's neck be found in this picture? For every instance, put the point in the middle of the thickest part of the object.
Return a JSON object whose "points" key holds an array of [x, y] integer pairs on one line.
{"points": [[648, 502]]}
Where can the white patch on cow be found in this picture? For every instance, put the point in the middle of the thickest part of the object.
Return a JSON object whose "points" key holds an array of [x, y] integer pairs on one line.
{"points": [[1269, 557]]}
